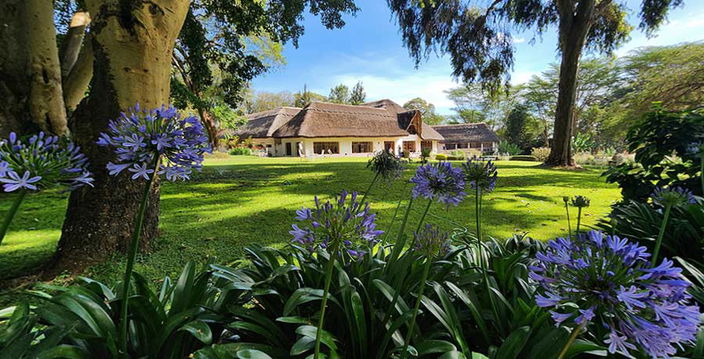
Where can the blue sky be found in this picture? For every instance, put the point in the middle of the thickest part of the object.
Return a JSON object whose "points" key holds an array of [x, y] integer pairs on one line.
{"points": [[369, 49]]}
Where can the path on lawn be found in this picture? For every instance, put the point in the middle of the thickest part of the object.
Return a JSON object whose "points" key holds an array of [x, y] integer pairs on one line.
{"points": [[239, 201]]}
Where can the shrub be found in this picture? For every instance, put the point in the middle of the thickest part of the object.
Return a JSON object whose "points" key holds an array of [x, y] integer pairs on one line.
{"points": [[424, 155], [540, 153], [583, 143], [508, 148], [523, 158], [458, 154], [441, 157], [241, 151], [654, 140]]}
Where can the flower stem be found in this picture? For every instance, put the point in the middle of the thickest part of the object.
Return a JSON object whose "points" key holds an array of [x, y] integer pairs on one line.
{"points": [[701, 161], [579, 220], [393, 220], [661, 234], [569, 223], [132, 253], [416, 307], [400, 240], [369, 188], [323, 304], [573, 337], [425, 213], [11, 214], [478, 210]]}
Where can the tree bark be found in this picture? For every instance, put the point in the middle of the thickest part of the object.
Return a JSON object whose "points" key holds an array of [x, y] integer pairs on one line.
{"points": [[132, 43], [574, 27], [77, 81], [30, 77], [72, 44]]}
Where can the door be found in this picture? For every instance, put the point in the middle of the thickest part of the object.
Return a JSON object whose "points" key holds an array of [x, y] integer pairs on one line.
{"points": [[289, 151], [389, 146]]}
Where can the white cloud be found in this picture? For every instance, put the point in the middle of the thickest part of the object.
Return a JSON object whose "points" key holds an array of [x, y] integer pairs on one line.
{"points": [[519, 40], [676, 31], [520, 77]]}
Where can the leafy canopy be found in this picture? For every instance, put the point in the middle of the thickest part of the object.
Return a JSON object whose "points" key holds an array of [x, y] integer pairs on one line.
{"points": [[477, 33]]}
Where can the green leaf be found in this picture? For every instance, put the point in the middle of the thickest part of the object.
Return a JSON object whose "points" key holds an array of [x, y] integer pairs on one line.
{"points": [[301, 296], [200, 330], [513, 345], [311, 332]]}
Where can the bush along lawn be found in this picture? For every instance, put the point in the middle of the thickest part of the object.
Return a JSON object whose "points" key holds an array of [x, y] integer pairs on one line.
{"points": [[346, 286]]}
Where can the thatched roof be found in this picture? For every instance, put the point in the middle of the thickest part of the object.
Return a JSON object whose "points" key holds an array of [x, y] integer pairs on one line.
{"points": [[467, 132], [383, 118], [263, 124], [405, 116]]}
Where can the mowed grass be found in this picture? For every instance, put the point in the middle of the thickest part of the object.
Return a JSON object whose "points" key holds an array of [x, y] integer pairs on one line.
{"points": [[240, 201]]}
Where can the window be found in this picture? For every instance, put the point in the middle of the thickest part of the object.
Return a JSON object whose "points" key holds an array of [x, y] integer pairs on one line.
{"points": [[461, 145], [450, 146], [362, 147], [409, 146], [426, 145], [326, 147]]}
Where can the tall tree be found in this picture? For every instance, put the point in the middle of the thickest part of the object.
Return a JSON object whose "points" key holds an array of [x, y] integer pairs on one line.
{"points": [[305, 97], [132, 42], [339, 94], [358, 95], [31, 95], [264, 101], [427, 110], [474, 104], [478, 38]]}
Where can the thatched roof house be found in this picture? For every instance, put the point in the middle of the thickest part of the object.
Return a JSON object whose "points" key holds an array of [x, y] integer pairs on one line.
{"points": [[336, 129], [468, 136]]}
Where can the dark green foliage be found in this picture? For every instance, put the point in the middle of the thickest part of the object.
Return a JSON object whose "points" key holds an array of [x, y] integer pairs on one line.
{"points": [[178, 319], [358, 95], [509, 148], [684, 235], [240, 151], [363, 319], [654, 139]]}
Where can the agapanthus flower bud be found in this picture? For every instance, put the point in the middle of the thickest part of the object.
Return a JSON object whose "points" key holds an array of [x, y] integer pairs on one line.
{"points": [[581, 201], [674, 196], [387, 166], [480, 174], [344, 223], [139, 137], [440, 182], [608, 282], [42, 161], [431, 242]]}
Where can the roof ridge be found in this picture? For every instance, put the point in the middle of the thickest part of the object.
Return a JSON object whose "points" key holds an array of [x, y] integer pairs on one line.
{"points": [[460, 124]]}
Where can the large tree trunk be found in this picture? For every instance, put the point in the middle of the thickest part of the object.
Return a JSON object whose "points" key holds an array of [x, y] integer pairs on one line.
{"points": [[76, 60], [30, 76], [132, 43], [574, 28], [208, 121]]}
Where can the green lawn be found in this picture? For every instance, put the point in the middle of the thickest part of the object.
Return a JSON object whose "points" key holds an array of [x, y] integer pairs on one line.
{"points": [[239, 201]]}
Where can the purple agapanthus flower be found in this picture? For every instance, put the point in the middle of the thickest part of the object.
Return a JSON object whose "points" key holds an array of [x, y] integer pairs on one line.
{"points": [[672, 196], [608, 281], [140, 137], [480, 175], [41, 161], [431, 241], [344, 223], [440, 182]]}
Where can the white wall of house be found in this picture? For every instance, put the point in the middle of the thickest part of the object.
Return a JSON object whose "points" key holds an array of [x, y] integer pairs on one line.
{"points": [[279, 147]]}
